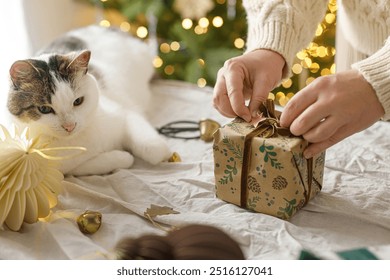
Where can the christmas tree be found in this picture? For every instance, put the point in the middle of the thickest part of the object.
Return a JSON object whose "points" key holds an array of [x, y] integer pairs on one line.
{"points": [[193, 38]]}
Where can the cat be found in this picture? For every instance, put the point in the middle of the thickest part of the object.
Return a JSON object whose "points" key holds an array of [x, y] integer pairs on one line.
{"points": [[90, 88]]}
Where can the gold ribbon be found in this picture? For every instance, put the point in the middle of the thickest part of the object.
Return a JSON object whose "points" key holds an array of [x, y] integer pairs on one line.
{"points": [[267, 128]]}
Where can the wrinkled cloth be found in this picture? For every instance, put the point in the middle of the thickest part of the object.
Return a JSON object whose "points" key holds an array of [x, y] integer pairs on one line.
{"points": [[351, 211]]}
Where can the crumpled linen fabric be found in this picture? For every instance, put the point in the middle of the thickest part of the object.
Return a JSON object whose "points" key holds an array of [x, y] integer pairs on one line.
{"points": [[351, 211]]}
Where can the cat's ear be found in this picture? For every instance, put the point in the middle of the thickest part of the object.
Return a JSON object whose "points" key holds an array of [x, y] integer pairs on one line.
{"points": [[80, 62], [21, 71]]}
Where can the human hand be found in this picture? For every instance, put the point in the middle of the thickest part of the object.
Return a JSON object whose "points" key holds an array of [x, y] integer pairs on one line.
{"points": [[330, 109], [249, 76]]}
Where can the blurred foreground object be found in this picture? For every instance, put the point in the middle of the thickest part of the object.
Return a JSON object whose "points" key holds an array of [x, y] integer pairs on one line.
{"points": [[193, 242]]}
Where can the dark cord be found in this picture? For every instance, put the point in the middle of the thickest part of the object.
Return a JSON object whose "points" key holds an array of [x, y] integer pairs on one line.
{"points": [[174, 129]]}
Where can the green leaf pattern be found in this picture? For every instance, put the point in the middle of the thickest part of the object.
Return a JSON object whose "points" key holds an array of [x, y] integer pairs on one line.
{"points": [[229, 172], [251, 203], [270, 156], [290, 209], [234, 148]]}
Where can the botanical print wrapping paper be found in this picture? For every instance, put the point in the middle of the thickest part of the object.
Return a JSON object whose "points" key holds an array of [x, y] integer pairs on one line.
{"points": [[262, 168]]}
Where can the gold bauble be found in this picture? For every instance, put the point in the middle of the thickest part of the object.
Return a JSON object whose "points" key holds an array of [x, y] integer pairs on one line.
{"points": [[207, 129], [89, 222]]}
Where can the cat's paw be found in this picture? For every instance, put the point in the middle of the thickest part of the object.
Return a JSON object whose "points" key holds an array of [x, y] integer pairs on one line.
{"points": [[154, 150], [119, 159]]}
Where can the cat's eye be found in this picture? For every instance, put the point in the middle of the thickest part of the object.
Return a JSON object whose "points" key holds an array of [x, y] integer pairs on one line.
{"points": [[78, 101], [46, 109]]}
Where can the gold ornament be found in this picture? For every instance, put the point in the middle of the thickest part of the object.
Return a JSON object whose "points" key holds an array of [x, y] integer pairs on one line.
{"points": [[29, 180], [89, 222], [175, 157], [207, 129]]}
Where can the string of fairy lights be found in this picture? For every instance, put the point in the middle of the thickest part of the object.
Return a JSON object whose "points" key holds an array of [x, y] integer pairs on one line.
{"points": [[314, 61]]}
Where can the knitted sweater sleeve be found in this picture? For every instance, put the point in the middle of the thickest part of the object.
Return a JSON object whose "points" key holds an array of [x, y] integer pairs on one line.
{"points": [[376, 70], [284, 26]]}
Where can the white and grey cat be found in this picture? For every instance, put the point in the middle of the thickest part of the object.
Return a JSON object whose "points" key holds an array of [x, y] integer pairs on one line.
{"points": [[90, 88]]}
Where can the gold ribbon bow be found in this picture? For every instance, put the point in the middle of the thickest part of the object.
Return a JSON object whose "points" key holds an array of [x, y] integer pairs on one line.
{"points": [[269, 127]]}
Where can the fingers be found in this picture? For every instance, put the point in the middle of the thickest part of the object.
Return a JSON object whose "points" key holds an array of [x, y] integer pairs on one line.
{"points": [[235, 85], [228, 95], [249, 76], [307, 115], [314, 116], [330, 109], [296, 106], [259, 95], [221, 100], [313, 149], [319, 128]]}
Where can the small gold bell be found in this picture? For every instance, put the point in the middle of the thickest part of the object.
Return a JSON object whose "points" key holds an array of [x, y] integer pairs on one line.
{"points": [[207, 128], [175, 157], [89, 222]]}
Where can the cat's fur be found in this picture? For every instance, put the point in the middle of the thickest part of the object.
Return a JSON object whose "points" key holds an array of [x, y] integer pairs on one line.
{"points": [[90, 88]]}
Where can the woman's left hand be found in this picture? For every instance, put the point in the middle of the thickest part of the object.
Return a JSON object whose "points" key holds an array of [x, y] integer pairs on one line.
{"points": [[332, 108]]}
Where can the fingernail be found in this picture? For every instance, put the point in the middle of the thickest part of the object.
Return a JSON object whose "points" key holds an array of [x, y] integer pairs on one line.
{"points": [[307, 154], [255, 113], [247, 118]]}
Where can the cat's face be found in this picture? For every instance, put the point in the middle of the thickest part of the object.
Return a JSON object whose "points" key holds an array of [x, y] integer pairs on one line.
{"points": [[53, 93]]}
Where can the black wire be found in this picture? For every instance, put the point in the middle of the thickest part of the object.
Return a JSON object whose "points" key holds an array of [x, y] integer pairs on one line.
{"points": [[172, 130]]}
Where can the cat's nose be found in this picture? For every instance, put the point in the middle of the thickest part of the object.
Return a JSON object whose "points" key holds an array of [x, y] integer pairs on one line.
{"points": [[69, 127]]}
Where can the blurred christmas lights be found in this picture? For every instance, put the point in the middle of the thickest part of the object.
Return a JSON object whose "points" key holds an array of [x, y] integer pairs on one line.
{"points": [[317, 59]]}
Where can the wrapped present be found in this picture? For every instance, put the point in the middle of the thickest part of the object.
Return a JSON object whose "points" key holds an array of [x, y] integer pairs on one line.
{"points": [[262, 167]]}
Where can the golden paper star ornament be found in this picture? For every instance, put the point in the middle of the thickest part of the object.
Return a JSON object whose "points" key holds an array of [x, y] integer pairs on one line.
{"points": [[29, 179]]}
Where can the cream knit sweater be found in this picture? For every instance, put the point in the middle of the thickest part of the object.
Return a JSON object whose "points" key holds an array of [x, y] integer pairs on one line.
{"points": [[287, 26]]}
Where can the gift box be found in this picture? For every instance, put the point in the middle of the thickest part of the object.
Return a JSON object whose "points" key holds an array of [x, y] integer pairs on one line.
{"points": [[262, 168]]}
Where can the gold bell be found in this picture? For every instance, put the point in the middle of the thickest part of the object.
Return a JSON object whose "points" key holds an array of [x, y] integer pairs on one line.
{"points": [[207, 129], [175, 157], [89, 222]]}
